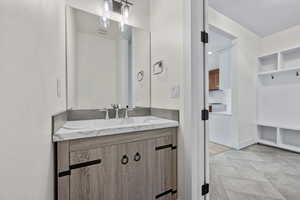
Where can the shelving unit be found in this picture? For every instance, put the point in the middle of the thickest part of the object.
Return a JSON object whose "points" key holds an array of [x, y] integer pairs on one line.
{"points": [[279, 136], [283, 62], [278, 99]]}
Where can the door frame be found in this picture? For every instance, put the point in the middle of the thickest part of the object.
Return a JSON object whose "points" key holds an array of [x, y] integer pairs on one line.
{"points": [[192, 137]]}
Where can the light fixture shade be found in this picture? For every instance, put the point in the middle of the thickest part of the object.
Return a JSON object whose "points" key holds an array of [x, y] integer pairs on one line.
{"points": [[125, 12], [105, 22], [106, 14], [106, 6]]}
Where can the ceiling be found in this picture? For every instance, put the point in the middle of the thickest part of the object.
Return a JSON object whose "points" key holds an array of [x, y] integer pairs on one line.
{"points": [[263, 17]]}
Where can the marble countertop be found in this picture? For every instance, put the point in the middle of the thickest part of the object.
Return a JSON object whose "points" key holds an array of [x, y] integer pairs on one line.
{"points": [[72, 130]]}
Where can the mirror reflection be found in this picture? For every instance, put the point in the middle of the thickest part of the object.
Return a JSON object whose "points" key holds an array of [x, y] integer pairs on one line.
{"points": [[106, 64]]}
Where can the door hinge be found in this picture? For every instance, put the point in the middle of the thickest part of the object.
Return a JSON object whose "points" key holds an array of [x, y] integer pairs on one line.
{"points": [[204, 37], [205, 189], [205, 115]]}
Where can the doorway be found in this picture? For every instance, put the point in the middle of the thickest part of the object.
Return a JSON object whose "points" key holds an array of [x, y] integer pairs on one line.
{"points": [[254, 138]]}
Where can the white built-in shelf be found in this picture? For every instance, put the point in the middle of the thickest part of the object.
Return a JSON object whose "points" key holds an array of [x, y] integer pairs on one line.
{"points": [[281, 136], [279, 68], [287, 60], [273, 72], [282, 126], [268, 63]]}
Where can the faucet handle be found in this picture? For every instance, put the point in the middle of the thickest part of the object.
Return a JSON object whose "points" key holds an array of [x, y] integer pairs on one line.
{"points": [[128, 108], [106, 112], [115, 106]]}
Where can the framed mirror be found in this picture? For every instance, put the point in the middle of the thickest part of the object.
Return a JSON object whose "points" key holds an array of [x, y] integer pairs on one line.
{"points": [[106, 64]]}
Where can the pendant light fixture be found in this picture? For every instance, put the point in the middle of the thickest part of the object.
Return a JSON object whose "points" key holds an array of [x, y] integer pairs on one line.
{"points": [[106, 13], [126, 10], [125, 14]]}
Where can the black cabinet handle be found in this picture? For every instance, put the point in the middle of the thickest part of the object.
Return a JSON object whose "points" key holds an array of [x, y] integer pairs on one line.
{"points": [[124, 160], [137, 157]]}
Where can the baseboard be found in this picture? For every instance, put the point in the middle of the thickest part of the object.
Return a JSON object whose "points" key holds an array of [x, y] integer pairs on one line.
{"points": [[247, 143]]}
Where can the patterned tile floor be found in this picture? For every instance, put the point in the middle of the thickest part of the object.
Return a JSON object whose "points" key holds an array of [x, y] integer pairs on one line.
{"points": [[256, 173], [215, 149]]}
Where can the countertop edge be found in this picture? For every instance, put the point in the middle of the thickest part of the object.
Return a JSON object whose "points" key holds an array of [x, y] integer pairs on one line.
{"points": [[111, 132]]}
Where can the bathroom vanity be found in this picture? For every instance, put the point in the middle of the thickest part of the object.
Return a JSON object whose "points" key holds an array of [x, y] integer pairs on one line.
{"points": [[106, 155], [117, 159]]}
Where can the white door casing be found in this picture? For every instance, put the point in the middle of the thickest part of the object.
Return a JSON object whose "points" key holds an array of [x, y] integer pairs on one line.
{"points": [[192, 140]]}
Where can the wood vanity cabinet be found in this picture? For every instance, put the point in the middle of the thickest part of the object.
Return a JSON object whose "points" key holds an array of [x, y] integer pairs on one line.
{"points": [[214, 79], [133, 166]]}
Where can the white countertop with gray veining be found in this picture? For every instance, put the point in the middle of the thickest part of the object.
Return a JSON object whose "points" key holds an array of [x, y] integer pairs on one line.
{"points": [[72, 130]]}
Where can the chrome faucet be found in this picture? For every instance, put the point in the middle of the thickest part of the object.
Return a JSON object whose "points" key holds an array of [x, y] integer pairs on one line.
{"points": [[127, 108], [126, 111], [106, 112], [116, 107]]}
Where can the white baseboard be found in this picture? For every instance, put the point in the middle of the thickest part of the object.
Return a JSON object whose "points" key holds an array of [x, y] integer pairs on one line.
{"points": [[247, 143]]}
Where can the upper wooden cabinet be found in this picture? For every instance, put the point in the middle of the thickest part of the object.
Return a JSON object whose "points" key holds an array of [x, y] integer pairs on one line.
{"points": [[214, 79], [126, 167]]}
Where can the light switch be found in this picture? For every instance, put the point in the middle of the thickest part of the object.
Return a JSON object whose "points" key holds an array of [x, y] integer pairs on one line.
{"points": [[175, 92], [58, 88]]}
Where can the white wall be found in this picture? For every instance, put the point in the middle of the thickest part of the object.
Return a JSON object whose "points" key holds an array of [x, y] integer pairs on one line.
{"points": [[245, 51], [166, 45], [282, 40], [32, 59]]}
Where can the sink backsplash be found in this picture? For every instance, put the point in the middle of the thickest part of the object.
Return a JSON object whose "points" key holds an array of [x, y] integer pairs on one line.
{"points": [[74, 115]]}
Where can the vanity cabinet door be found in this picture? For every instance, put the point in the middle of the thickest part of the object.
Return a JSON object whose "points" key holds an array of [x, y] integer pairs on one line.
{"points": [[163, 170], [87, 175], [108, 180], [116, 165], [138, 173]]}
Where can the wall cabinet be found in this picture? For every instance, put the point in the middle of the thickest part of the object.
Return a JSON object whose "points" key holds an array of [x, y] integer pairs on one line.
{"points": [[130, 166], [214, 79]]}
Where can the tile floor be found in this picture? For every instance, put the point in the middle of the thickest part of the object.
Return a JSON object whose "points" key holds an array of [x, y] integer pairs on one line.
{"points": [[215, 149], [256, 173]]}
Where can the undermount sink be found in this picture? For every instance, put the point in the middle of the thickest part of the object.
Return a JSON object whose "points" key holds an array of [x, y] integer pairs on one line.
{"points": [[102, 123]]}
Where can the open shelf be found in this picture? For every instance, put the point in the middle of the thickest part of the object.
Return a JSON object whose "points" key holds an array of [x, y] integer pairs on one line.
{"points": [[284, 62], [267, 135], [279, 136], [268, 63], [290, 58]]}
